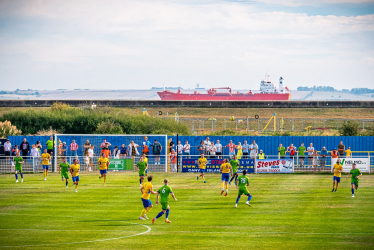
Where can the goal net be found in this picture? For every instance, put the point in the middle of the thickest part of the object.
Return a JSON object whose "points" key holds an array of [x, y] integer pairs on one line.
{"points": [[123, 151]]}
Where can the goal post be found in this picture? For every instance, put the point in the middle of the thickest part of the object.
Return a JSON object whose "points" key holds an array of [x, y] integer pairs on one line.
{"points": [[76, 146]]}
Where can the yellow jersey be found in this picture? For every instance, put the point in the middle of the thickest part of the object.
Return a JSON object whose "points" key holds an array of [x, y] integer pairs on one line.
{"points": [[46, 157], [337, 167], [75, 170], [103, 163], [348, 152], [202, 162], [225, 168], [145, 159], [147, 190]]}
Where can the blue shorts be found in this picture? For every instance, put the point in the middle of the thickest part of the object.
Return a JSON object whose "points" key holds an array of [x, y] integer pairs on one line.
{"points": [[75, 178], [225, 177], [103, 171], [202, 170], [45, 167], [146, 203], [337, 179]]}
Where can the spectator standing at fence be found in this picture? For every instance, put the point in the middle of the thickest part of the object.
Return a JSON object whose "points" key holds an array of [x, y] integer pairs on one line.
{"points": [[146, 145], [207, 144], [254, 150], [281, 151], [292, 150], [106, 151], [301, 151], [91, 154], [240, 150], [87, 145], [123, 151], [341, 149], [212, 151], [218, 146], [315, 160], [18, 168], [133, 151], [232, 147], [86, 161], [34, 153], [323, 155], [157, 148], [337, 169], [348, 152], [73, 148], [7, 149], [25, 148], [170, 145], [334, 153], [310, 151], [201, 148], [173, 161], [245, 150], [115, 153], [187, 148], [261, 155], [63, 149], [105, 144], [180, 148]]}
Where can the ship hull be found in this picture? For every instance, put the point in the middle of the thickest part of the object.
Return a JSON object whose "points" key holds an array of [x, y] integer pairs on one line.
{"points": [[170, 96]]}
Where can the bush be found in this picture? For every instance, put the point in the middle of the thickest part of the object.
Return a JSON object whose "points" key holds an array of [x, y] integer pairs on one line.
{"points": [[349, 128], [6, 129], [109, 127]]}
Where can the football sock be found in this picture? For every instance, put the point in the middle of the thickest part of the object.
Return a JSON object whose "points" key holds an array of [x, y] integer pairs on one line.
{"points": [[227, 187], [167, 213], [333, 185], [44, 174], [222, 185], [159, 215], [249, 198], [16, 176], [203, 178], [89, 169], [21, 175], [353, 191], [232, 178], [236, 177], [143, 212], [147, 210], [146, 171], [67, 183], [76, 186], [337, 184], [199, 175], [140, 180], [104, 179], [237, 199]]}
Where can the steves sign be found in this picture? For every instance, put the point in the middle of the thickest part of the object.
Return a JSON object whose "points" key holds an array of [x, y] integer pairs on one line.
{"points": [[274, 166], [214, 165]]}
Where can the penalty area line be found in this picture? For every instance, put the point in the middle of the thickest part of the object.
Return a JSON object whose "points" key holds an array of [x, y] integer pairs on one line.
{"points": [[271, 233]]}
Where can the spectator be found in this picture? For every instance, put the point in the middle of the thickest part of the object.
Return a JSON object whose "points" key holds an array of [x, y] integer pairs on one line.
{"points": [[146, 144], [261, 155], [348, 152], [315, 160], [115, 153], [201, 148], [187, 148], [341, 149], [105, 144], [39, 146], [86, 161], [25, 148], [254, 150], [310, 150], [334, 153], [34, 153], [301, 151], [133, 151], [281, 151], [15, 150], [123, 151], [180, 148], [218, 146], [50, 146], [91, 154], [240, 150], [63, 149], [292, 150], [212, 151], [231, 148], [323, 155], [106, 151], [245, 150], [207, 144], [170, 145], [87, 145], [173, 161], [157, 148], [7, 149], [73, 149]]}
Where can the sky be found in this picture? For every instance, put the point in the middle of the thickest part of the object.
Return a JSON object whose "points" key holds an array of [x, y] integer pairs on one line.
{"points": [[125, 44]]}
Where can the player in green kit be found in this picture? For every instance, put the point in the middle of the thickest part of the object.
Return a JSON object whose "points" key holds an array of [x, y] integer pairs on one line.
{"points": [[141, 166], [18, 168], [356, 173], [241, 183], [235, 165], [64, 167], [164, 191]]}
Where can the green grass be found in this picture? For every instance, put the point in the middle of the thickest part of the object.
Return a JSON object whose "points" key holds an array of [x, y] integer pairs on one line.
{"points": [[296, 211]]}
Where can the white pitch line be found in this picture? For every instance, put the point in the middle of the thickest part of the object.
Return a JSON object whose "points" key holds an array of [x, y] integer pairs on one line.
{"points": [[270, 233], [58, 230]]}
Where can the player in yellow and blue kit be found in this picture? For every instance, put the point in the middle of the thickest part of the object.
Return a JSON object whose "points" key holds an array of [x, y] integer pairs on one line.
{"points": [[103, 166], [338, 169], [147, 190], [201, 162], [46, 158], [226, 169], [74, 170]]}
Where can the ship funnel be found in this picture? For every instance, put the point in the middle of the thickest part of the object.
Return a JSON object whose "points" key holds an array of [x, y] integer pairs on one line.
{"points": [[281, 88]]}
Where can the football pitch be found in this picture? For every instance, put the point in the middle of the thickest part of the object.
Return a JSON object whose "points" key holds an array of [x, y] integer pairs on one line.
{"points": [[294, 211]]}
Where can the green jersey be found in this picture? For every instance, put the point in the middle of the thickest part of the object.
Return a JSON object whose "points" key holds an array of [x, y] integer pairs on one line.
{"points": [[142, 166], [234, 164], [164, 192], [49, 144], [354, 173], [64, 167], [302, 150], [17, 160], [282, 150], [243, 181]]}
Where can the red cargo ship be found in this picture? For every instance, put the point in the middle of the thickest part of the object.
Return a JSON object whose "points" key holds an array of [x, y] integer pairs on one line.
{"points": [[268, 92]]}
